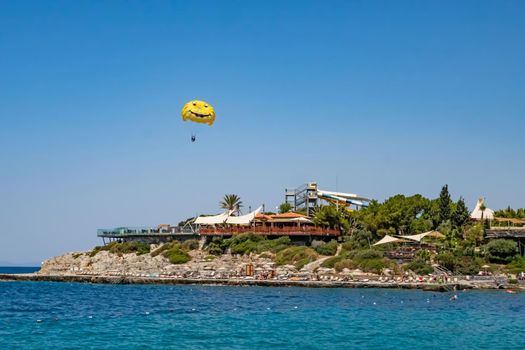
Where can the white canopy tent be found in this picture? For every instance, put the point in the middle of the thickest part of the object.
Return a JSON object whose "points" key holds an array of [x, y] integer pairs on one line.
{"points": [[213, 220], [420, 236], [388, 239], [478, 214], [243, 219]]}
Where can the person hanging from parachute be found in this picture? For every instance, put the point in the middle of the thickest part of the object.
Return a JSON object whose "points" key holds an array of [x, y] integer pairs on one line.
{"points": [[198, 112]]}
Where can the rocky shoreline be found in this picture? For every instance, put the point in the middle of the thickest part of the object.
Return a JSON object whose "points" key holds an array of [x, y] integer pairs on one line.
{"points": [[234, 270], [231, 282]]}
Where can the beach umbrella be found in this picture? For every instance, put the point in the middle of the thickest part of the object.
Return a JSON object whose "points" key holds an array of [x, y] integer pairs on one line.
{"points": [[300, 220]]}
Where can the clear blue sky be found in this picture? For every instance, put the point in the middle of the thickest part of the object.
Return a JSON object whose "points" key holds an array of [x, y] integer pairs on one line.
{"points": [[371, 97]]}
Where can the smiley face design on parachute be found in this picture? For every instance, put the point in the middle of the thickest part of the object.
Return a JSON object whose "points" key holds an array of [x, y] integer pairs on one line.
{"points": [[199, 112]]}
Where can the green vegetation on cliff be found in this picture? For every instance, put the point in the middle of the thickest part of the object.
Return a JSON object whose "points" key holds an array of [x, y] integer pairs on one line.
{"points": [[138, 248], [297, 256], [329, 248], [246, 244], [176, 252]]}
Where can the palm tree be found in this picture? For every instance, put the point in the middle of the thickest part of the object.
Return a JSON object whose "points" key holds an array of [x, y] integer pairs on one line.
{"points": [[231, 202], [482, 207]]}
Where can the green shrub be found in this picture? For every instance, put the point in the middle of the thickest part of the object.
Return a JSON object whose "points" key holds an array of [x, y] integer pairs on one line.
{"points": [[373, 265], [423, 254], [366, 254], [138, 248], [298, 256], [95, 250], [266, 255], [517, 265], [345, 263], [329, 248], [513, 281], [217, 239], [347, 246], [248, 243], [160, 249], [279, 247], [302, 262], [237, 239], [447, 260], [368, 260], [468, 250], [419, 266], [273, 245], [460, 264], [176, 254], [133, 247], [242, 244], [501, 250], [191, 244], [467, 265], [330, 262], [358, 240], [214, 248], [368, 265], [244, 247]]}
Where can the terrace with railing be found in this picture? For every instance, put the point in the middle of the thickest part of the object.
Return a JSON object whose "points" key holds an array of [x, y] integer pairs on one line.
{"points": [[129, 232], [271, 231]]}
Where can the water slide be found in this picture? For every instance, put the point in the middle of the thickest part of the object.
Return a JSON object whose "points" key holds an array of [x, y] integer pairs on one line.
{"points": [[343, 199]]}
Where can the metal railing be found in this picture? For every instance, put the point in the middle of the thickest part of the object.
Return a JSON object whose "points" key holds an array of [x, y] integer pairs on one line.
{"points": [[123, 232], [271, 231], [144, 231]]}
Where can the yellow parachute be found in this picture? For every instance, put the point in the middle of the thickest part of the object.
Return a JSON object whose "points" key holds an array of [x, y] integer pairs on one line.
{"points": [[198, 112]]}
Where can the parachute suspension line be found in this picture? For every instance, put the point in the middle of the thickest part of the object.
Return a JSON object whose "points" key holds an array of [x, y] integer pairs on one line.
{"points": [[197, 113]]}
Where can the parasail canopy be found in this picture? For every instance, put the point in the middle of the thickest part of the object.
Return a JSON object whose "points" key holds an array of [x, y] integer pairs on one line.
{"points": [[198, 112]]}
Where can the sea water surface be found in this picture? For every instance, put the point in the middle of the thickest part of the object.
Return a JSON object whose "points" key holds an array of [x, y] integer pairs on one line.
{"points": [[18, 269], [46, 315]]}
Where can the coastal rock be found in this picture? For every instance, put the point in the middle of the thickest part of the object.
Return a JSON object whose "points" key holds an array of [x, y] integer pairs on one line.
{"points": [[201, 265]]}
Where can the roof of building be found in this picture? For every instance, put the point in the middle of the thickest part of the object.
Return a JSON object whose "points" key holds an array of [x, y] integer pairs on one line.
{"points": [[289, 215], [263, 217]]}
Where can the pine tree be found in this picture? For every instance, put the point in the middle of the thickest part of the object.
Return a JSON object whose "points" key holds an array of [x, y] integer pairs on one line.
{"points": [[461, 214], [445, 205]]}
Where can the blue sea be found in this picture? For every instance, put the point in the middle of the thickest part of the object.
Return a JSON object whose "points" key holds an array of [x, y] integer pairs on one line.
{"points": [[17, 269], [46, 315]]}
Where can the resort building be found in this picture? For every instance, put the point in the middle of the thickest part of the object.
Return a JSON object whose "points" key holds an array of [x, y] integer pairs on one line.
{"points": [[295, 225], [287, 224], [298, 226]]}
